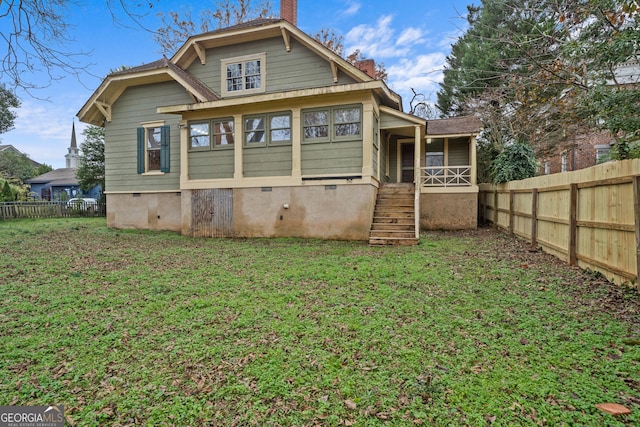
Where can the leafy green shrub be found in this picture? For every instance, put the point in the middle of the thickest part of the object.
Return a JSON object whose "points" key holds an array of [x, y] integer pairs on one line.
{"points": [[516, 161]]}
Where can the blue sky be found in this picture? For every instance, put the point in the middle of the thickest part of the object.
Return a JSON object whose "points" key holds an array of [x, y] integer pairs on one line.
{"points": [[411, 37]]}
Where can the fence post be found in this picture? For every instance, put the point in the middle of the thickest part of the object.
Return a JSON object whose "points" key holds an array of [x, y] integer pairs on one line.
{"points": [[534, 217], [636, 215], [573, 227], [512, 197], [495, 208]]}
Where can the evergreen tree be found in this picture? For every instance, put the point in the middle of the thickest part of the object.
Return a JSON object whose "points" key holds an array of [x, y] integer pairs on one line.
{"points": [[7, 194], [90, 170], [538, 71]]}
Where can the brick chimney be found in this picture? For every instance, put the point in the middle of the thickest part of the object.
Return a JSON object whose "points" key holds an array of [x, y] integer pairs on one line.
{"points": [[289, 11], [368, 66]]}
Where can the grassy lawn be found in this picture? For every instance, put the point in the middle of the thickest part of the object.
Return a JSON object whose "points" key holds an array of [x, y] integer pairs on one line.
{"points": [[151, 328]]}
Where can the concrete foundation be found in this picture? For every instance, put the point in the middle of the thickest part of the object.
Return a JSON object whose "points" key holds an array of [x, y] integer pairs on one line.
{"points": [[149, 211], [452, 211], [339, 212]]}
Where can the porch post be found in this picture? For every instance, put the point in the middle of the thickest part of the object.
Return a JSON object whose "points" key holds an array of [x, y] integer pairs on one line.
{"points": [[238, 166], [296, 144], [367, 138], [184, 153], [472, 156], [417, 177]]}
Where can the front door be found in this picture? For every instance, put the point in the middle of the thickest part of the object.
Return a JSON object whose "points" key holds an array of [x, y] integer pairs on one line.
{"points": [[407, 162]]}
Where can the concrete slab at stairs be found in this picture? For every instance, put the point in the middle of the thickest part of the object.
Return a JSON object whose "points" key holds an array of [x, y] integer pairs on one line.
{"points": [[394, 216]]}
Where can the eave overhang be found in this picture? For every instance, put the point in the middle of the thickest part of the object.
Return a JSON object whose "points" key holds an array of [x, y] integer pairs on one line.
{"points": [[194, 47], [97, 109], [375, 86]]}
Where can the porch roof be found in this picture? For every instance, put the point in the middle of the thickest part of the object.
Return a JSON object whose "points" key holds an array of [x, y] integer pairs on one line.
{"points": [[454, 126]]}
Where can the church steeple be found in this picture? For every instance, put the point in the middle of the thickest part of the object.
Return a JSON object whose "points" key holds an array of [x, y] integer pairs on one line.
{"points": [[72, 156]]}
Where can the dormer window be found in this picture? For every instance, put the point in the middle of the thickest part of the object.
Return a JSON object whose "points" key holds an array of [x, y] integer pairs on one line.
{"points": [[243, 75]]}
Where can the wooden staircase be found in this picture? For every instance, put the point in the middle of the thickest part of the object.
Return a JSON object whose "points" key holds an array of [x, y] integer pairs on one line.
{"points": [[394, 216]]}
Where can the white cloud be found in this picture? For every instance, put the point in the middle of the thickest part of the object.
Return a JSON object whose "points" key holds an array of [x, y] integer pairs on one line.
{"points": [[379, 41], [43, 130], [422, 73], [352, 9], [410, 36]]}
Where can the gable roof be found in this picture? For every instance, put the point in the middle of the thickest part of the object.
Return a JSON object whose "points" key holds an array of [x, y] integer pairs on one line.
{"points": [[463, 125], [9, 147], [258, 29], [98, 108], [57, 177]]}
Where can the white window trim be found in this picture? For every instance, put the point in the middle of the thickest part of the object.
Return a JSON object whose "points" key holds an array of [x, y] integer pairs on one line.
{"points": [[262, 57]]}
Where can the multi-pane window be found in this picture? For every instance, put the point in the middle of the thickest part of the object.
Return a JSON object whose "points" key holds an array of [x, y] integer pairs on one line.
{"points": [[337, 123], [254, 130], [280, 128], [153, 147], [267, 129], [154, 137], [223, 132], [346, 121], [243, 75], [316, 124], [201, 136], [563, 162]]}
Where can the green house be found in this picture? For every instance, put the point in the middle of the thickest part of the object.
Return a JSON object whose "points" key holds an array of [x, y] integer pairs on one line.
{"points": [[258, 130]]}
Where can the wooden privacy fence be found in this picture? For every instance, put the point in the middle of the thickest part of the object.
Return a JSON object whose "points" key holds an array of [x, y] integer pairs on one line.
{"points": [[44, 209], [590, 217]]}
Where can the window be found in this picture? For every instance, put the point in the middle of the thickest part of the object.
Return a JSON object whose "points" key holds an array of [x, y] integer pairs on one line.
{"points": [[547, 167], [563, 162], [346, 121], [153, 148], [434, 158], [332, 124], [316, 124], [200, 136], [223, 132], [602, 153], [243, 75], [267, 129]]}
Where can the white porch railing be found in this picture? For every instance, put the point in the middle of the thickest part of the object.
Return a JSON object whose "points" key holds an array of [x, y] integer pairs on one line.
{"points": [[445, 176]]}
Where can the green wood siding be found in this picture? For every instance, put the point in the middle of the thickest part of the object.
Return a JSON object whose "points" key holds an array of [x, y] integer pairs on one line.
{"points": [[459, 152], [299, 69], [134, 107], [387, 121], [274, 160], [214, 164], [332, 158]]}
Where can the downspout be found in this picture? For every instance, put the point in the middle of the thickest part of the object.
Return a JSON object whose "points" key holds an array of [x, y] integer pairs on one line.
{"points": [[416, 180]]}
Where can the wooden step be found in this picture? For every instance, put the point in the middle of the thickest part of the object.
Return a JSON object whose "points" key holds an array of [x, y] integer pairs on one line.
{"points": [[392, 241], [400, 234], [394, 216], [394, 220]]}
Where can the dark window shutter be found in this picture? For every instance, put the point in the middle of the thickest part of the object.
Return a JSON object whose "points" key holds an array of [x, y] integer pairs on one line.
{"points": [[164, 148], [140, 150]]}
